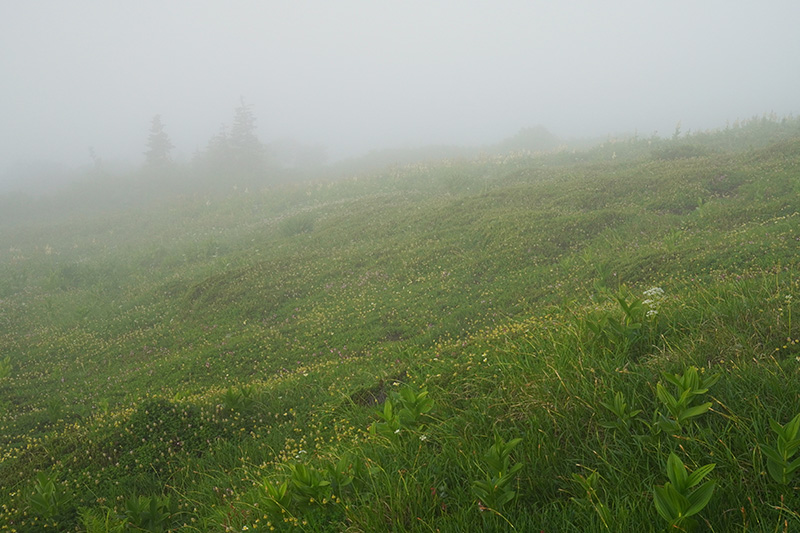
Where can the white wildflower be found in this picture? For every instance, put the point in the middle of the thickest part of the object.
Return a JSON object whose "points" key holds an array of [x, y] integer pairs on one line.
{"points": [[655, 292], [655, 297]]}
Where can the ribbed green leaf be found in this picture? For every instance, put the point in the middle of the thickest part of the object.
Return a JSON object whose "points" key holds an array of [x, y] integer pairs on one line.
{"points": [[790, 447], [676, 472], [791, 429], [709, 381], [619, 402], [692, 412], [667, 425], [676, 503], [698, 475], [505, 497], [700, 498], [772, 453], [778, 471], [513, 443], [407, 395], [665, 397], [793, 466], [425, 405], [686, 397], [672, 378], [514, 469], [664, 504], [691, 379]]}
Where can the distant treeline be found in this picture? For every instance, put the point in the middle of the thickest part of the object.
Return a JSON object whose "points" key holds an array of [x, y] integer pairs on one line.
{"points": [[235, 161]]}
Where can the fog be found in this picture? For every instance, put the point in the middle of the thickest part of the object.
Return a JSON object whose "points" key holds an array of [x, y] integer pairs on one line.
{"points": [[87, 77]]}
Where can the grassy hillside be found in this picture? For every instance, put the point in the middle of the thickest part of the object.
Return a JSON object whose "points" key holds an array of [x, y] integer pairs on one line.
{"points": [[528, 341]]}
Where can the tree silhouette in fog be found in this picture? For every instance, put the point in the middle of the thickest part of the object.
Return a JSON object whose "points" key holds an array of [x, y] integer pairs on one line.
{"points": [[158, 144], [234, 152], [247, 151]]}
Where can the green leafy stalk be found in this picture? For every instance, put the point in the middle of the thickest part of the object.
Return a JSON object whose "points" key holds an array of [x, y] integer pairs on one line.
{"points": [[619, 407], [676, 501], [493, 492], [779, 463], [689, 385]]}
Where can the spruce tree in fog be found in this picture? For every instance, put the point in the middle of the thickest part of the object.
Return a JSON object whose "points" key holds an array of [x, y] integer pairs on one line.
{"points": [[216, 161], [234, 153], [218, 151], [246, 150], [158, 144]]}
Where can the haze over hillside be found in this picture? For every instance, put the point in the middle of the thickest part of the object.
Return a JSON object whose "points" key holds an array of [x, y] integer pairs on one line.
{"points": [[399, 266], [82, 80]]}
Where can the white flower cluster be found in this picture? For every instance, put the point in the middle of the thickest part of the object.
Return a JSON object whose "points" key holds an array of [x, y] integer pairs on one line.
{"points": [[655, 297]]}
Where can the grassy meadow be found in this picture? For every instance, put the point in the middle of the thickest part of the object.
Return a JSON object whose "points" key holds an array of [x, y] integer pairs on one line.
{"points": [[595, 339]]}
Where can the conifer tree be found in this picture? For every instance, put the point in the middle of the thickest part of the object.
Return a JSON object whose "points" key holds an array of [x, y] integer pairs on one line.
{"points": [[158, 144], [246, 149]]}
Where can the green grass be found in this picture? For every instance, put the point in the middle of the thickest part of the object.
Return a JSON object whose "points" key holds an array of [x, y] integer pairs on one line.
{"points": [[218, 361]]}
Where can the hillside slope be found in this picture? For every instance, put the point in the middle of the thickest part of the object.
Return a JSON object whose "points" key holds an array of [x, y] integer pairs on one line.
{"points": [[362, 355]]}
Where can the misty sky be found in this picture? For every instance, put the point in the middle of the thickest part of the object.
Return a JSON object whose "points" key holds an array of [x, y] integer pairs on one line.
{"points": [[357, 75]]}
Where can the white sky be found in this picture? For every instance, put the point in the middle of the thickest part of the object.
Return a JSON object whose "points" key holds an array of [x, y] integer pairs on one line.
{"points": [[356, 75]]}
